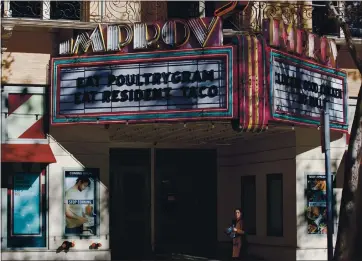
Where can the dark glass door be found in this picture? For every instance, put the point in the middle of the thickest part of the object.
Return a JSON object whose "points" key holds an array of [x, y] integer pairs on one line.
{"points": [[186, 202], [130, 204]]}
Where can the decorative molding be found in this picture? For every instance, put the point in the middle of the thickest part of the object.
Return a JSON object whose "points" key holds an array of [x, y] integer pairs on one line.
{"points": [[11, 22], [342, 40], [6, 33]]}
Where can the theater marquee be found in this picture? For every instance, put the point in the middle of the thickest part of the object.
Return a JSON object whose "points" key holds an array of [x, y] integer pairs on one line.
{"points": [[140, 87], [299, 89]]}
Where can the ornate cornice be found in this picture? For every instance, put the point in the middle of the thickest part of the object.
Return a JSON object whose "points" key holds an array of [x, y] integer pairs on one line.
{"points": [[8, 22]]}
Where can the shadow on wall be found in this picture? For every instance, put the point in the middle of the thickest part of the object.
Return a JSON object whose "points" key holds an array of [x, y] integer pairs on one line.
{"points": [[31, 110], [54, 208], [75, 155], [6, 63], [311, 218]]}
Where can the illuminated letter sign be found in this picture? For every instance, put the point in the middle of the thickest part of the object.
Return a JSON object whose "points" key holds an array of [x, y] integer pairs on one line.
{"points": [[156, 86], [169, 35], [194, 33], [201, 31], [299, 41], [299, 89]]}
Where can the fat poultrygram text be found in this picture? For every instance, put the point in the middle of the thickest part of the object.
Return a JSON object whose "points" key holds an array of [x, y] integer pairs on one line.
{"points": [[153, 80]]}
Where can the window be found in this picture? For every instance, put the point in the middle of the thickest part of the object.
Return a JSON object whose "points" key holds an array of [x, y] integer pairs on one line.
{"points": [[29, 9], [69, 10], [275, 205], [183, 9], [248, 203], [210, 7], [353, 13], [323, 23], [2, 9]]}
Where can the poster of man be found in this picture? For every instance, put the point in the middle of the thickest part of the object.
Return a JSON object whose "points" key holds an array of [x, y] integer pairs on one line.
{"points": [[80, 202]]}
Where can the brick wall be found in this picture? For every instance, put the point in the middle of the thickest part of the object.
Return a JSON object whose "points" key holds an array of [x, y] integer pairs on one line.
{"points": [[27, 56]]}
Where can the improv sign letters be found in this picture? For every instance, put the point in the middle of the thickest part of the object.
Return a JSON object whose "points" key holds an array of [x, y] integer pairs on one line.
{"points": [[298, 41], [144, 86], [177, 34]]}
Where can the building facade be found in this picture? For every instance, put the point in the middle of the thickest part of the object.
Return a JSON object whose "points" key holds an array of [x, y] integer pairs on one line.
{"points": [[131, 128]]}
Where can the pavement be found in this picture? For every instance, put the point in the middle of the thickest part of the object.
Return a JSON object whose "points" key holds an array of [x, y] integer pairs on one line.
{"points": [[197, 258]]}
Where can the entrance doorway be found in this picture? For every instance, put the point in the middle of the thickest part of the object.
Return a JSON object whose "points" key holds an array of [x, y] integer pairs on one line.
{"points": [[186, 202], [130, 172]]}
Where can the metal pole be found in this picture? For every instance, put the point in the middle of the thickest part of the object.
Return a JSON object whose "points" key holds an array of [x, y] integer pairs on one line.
{"points": [[329, 182]]}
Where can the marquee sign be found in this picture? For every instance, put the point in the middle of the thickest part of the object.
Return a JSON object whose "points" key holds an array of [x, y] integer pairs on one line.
{"points": [[289, 38], [298, 90], [175, 34], [141, 87], [253, 104]]}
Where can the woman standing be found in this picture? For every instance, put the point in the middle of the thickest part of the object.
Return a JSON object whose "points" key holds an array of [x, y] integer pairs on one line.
{"points": [[239, 232]]}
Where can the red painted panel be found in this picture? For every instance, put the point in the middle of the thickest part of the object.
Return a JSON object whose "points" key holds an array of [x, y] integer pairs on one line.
{"points": [[15, 100], [36, 131]]}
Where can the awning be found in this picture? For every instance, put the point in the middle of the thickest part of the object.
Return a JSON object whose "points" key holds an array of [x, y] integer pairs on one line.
{"points": [[31, 153]]}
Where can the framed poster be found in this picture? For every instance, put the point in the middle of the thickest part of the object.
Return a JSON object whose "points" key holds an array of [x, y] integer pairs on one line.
{"points": [[26, 207], [26, 203], [316, 210], [81, 202]]}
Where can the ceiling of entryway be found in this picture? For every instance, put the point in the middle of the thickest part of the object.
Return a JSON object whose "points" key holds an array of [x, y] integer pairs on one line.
{"points": [[197, 133]]}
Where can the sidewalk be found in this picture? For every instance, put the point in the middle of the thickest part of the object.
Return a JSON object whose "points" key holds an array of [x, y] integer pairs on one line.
{"points": [[197, 258]]}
